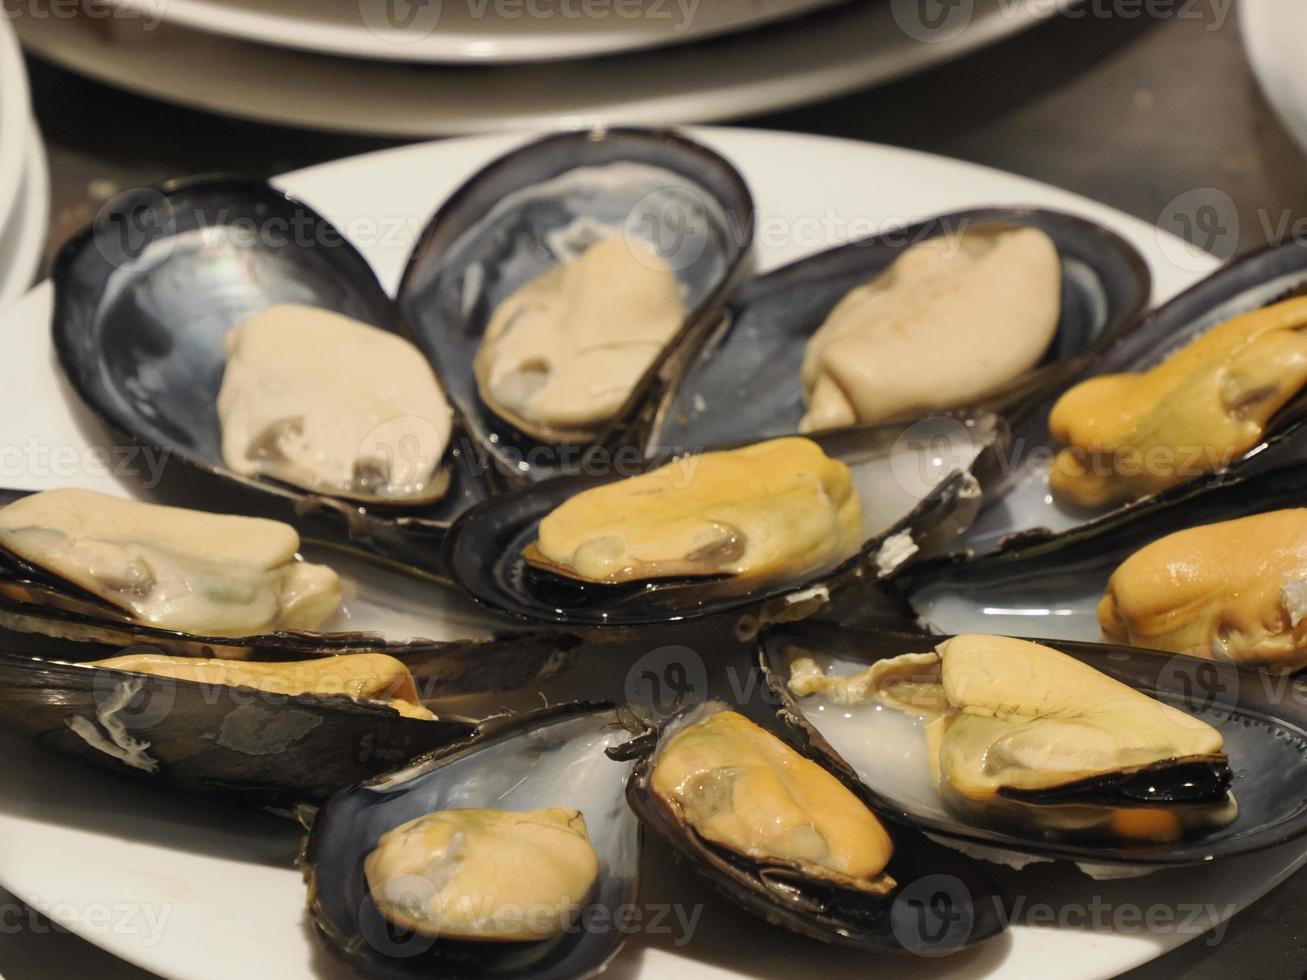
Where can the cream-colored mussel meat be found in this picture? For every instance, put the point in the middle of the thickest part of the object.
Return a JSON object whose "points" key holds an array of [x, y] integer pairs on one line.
{"points": [[771, 510], [1130, 435], [1235, 590], [484, 874], [1009, 723], [336, 406], [361, 676], [955, 318], [207, 574], [562, 354], [741, 788]]}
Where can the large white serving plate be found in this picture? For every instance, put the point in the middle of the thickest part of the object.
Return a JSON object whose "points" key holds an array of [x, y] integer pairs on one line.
{"points": [[833, 51], [15, 121], [75, 842], [478, 31]]}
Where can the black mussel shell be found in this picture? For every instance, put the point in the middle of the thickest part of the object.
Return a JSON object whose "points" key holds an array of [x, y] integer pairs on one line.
{"points": [[1263, 721], [533, 208], [554, 757], [1023, 501], [247, 746], [919, 483], [744, 382], [1050, 584], [144, 297], [941, 902]]}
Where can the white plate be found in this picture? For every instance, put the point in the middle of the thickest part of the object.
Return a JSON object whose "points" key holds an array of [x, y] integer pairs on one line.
{"points": [[1273, 35], [85, 846], [15, 120], [472, 30], [22, 241], [843, 49]]}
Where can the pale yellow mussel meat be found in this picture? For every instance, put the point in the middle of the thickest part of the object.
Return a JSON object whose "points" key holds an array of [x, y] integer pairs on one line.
{"points": [[768, 511], [332, 405], [741, 788], [177, 569], [361, 676], [1235, 590], [1008, 718], [563, 353], [954, 319], [485, 875], [1131, 435]]}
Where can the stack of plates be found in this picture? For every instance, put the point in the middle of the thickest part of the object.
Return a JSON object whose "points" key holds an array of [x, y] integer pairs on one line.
{"points": [[435, 67], [24, 179]]}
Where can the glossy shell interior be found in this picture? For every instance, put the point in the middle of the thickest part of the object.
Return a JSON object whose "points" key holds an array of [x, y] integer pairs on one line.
{"points": [[553, 758], [1265, 737], [745, 383], [922, 479], [1023, 501], [539, 206], [144, 298]]}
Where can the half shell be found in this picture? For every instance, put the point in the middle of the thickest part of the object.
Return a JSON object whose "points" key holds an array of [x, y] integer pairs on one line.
{"points": [[539, 206], [886, 750], [919, 485], [144, 298], [745, 382], [554, 757]]}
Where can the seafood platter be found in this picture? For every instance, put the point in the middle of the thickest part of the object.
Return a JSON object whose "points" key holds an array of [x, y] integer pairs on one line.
{"points": [[1017, 563]]}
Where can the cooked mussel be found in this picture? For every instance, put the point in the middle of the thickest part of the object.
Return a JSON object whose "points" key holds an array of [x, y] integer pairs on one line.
{"points": [[563, 284], [1207, 383], [540, 783], [760, 375], [916, 486], [1133, 774], [146, 299], [781, 835], [1212, 571], [92, 566]]}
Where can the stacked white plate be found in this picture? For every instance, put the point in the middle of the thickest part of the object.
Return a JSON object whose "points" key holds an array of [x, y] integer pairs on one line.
{"points": [[436, 67], [24, 179]]}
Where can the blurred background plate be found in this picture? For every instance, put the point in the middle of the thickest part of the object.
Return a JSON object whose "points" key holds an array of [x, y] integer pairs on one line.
{"points": [[1275, 38], [833, 51], [15, 122], [473, 30], [22, 240]]}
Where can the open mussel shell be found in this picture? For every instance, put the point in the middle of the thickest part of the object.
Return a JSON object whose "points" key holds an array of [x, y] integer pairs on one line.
{"points": [[941, 903], [1050, 584], [539, 206], [920, 484], [144, 297], [554, 757], [745, 381], [385, 608], [247, 746], [1024, 502], [1263, 721]]}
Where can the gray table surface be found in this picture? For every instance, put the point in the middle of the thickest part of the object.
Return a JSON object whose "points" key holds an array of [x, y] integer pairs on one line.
{"points": [[1136, 112]]}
